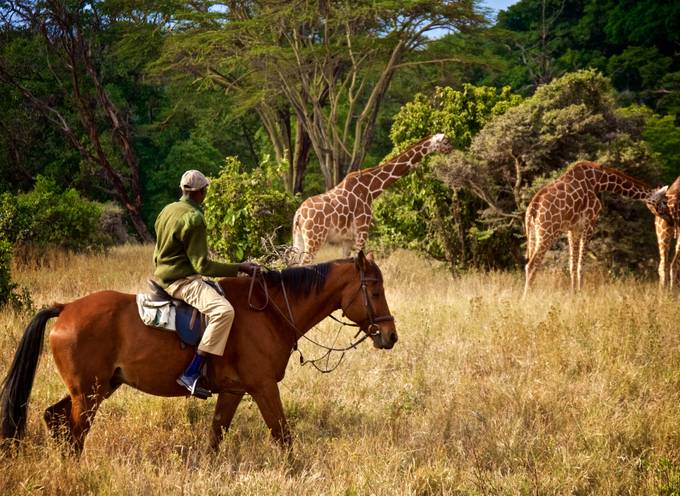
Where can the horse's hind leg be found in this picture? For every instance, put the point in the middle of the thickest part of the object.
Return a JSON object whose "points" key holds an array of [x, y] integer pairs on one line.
{"points": [[69, 419], [58, 419], [69, 427]]}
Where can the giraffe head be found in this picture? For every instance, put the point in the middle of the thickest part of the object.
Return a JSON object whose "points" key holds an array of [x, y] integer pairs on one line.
{"points": [[440, 143], [672, 198], [659, 204]]}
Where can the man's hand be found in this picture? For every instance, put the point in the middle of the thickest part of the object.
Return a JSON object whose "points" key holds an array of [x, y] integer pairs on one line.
{"points": [[248, 267]]}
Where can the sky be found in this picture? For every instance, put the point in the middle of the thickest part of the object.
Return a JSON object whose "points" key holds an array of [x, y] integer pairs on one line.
{"points": [[498, 4]]}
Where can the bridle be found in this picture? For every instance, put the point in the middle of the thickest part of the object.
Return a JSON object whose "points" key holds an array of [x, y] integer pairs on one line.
{"points": [[370, 330]]}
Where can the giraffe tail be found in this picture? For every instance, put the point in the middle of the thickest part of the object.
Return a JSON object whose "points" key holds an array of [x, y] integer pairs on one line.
{"points": [[298, 240]]}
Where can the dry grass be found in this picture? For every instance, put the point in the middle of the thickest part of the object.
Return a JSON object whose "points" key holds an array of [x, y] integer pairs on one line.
{"points": [[483, 394]]}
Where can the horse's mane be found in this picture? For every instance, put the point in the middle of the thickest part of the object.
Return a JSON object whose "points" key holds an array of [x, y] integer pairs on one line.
{"points": [[300, 280]]}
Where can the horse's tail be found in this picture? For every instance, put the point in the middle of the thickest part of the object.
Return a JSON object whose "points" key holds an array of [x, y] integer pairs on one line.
{"points": [[16, 388]]}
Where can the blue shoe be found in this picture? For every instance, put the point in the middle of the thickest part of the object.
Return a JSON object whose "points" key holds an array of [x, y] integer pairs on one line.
{"points": [[191, 382]]}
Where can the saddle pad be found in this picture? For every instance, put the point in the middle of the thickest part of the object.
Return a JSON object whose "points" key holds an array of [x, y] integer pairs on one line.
{"points": [[171, 317]]}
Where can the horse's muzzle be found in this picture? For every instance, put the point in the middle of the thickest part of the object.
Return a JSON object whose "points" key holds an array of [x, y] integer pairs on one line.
{"points": [[385, 340]]}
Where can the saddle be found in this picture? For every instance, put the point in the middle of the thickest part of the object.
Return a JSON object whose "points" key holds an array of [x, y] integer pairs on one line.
{"points": [[158, 309]]}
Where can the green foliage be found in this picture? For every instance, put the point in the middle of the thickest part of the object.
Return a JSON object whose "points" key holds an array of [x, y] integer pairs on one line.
{"points": [[163, 183], [6, 285], [459, 114], [663, 136], [326, 67], [634, 42], [419, 212], [48, 217], [243, 207]]}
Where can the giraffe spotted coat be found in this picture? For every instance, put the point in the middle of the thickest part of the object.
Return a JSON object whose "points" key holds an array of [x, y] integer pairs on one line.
{"points": [[571, 204], [343, 214]]}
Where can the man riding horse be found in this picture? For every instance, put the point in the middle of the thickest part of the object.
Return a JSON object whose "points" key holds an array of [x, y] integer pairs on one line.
{"points": [[181, 258]]}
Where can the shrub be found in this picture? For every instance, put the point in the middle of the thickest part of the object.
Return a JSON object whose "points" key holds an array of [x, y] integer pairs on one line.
{"points": [[6, 285], [46, 217], [242, 208]]}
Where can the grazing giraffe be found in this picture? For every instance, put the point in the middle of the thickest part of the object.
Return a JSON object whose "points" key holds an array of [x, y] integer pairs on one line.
{"points": [[571, 204], [343, 214], [670, 230]]}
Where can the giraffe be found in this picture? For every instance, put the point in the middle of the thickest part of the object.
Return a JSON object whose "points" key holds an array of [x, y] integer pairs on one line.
{"points": [[670, 227], [571, 204], [343, 214]]}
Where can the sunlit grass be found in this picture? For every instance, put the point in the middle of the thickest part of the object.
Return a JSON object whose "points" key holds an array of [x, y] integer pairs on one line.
{"points": [[483, 394]]}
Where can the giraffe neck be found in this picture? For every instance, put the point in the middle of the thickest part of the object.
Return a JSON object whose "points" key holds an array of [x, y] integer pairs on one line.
{"points": [[379, 178], [613, 181]]}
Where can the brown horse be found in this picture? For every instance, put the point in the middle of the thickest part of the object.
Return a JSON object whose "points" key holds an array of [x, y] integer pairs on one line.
{"points": [[99, 343]]}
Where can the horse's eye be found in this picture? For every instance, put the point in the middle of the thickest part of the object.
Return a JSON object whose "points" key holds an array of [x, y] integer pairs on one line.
{"points": [[376, 294]]}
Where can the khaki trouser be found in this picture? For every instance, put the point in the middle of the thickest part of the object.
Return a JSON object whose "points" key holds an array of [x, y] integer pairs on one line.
{"points": [[218, 311]]}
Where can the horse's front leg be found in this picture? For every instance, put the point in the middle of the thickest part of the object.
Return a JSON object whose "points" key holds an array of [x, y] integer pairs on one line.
{"points": [[226, 406], [268, 401]]}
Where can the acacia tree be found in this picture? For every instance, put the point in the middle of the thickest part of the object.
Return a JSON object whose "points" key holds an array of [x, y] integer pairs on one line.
{"points": [[69, 63], [316, 72]]}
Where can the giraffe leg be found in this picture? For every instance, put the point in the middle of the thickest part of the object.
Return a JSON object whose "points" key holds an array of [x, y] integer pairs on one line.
{"points": [[663, 242], [360, 238], [574, 244], [543, 244], [675, 264], [586, 234], [347, 248]]}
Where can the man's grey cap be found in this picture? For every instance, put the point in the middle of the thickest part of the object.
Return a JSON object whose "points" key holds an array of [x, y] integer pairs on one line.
{"points": [[193, 180]]}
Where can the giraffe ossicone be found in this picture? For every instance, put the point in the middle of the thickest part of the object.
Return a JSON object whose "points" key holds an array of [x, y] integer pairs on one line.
{"points": [[343, 214], [571, 204]]}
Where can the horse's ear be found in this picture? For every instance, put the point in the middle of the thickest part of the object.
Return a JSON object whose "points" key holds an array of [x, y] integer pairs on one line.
{"points": [[361, 261]]}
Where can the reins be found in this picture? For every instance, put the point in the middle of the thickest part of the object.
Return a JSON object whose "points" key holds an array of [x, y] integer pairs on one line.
{"points": [[370, 331]]}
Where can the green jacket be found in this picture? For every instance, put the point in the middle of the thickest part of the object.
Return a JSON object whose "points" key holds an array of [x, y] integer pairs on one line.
{"points": [[182, 245]]}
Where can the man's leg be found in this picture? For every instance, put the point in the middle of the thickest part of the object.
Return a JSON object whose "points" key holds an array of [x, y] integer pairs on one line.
{"points": [[219, 314]]}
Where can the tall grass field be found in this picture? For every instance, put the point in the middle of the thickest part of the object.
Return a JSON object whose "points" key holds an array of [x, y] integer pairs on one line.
{"points": [[485, 393]]}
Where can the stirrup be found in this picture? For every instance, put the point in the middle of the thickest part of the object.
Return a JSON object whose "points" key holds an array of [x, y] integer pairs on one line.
{"points": [[194, 388]]}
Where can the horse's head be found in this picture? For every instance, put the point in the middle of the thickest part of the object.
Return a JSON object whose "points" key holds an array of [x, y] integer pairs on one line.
{"points": [[363, 301]]}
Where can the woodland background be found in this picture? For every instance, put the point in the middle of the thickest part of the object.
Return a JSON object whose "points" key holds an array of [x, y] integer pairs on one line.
{"points": [[104, 104]]}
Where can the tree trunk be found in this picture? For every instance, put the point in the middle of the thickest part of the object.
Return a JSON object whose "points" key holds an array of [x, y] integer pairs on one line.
{"points": [[298, 166]]}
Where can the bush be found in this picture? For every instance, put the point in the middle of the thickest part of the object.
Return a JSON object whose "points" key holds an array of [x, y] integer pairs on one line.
{"points": [[242, 208], [10, 293], [46, 217], [6, 285]]}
